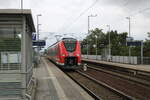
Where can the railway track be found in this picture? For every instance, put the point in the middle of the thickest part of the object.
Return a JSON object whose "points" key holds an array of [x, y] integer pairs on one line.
{"points": [[104, 84], [97, 89], [141, 79], [132, 89], [144, 76], [85, 88]]}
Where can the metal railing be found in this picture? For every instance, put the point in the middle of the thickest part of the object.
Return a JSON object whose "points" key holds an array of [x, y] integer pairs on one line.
{"points": [[120, 59]]}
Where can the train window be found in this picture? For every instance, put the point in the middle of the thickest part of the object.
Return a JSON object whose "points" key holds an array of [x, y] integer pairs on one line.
{"points": [[70, 45]]}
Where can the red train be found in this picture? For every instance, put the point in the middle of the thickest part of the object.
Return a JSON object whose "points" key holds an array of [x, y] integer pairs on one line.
{"points": [[66, 53]]}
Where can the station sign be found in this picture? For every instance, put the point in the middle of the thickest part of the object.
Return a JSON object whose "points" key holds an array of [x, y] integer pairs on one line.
{"points": [[134, 43], [39, 43], [33, 36]]}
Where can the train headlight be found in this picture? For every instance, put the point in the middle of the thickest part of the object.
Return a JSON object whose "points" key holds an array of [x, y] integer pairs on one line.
{"points": [[78, 54], [63, 55]]}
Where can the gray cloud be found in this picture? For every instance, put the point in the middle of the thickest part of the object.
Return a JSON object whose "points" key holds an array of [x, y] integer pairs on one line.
{"points": [[9, 4], [6, 2], [59, 15], [129, 6], [129, 3]]}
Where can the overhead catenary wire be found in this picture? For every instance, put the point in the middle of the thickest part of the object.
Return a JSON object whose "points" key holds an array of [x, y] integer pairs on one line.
{"points": [[81, 14], [126, 2], [92, 5], [140, 11]]}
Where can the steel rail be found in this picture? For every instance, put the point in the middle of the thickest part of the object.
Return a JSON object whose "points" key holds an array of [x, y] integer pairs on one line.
{"points": [[85, 88], [128, 77], [107, 86]]}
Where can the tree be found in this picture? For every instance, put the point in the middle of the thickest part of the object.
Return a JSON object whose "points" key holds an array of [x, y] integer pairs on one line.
{"points": [[118, 42], [147, 46]]}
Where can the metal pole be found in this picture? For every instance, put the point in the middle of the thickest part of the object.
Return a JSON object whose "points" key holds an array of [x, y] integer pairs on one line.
{"points": [[129, 27], [96, 47], [38, 36], [109, 45], [129, 36], [141, 52], [109, 42], [37, 27], [21, 4], [88, 34]]}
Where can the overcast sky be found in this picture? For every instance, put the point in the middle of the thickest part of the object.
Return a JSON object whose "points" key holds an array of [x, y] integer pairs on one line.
{"points": [[70, 16]]}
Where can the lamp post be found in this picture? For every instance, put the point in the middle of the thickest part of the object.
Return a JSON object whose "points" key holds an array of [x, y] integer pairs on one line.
{"points": [[21, 4], [129, 36], [38, 26], [109, 42], [96, 45], [141, 52], [89, 32], [38, 49], [129, 25]]}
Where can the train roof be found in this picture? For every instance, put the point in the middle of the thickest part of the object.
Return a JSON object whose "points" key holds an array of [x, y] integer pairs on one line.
{"points": [[62, 40], [68, 38]]}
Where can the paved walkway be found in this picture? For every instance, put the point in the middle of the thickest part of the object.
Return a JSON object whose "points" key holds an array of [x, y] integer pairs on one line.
{"points": [[53, 84]]}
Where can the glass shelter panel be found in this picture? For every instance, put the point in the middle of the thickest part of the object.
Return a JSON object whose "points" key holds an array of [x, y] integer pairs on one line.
{"points": [[10, 42]]}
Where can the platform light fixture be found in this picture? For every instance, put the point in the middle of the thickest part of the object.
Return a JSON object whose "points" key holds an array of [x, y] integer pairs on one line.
{"points": [[129, 35], [89, 31], [109, 58]]}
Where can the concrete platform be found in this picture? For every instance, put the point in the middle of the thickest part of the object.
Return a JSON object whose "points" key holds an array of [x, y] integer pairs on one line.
{"points": [[144, 68], [53, 84]]}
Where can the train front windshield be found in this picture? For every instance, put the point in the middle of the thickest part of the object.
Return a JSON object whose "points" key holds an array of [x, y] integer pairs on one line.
{"points": [[70, 44]]}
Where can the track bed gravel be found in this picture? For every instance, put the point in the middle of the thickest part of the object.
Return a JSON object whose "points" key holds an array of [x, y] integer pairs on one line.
{"points": [[99, 90], [133, 89]]}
